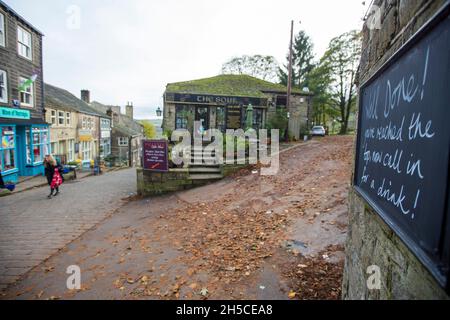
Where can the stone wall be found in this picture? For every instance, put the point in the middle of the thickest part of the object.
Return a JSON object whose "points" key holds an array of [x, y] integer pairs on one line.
{"points": [[17, 66], [370, 241]]}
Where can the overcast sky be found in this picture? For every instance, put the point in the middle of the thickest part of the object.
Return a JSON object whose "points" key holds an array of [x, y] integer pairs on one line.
{"points": [[129, 50]]}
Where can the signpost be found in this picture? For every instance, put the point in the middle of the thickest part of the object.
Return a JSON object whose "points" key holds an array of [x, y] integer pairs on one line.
{"points": [[402, 160], [155, 155]]}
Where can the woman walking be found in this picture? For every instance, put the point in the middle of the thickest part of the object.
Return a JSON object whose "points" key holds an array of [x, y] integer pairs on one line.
{"points": [[53, 173]]}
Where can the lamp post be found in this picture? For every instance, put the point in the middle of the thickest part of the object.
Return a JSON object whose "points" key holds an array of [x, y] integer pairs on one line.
{"points": [[158, 112], [289, 84]]}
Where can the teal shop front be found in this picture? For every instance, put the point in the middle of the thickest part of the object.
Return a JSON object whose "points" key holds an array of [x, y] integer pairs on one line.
{"points": [[24, 144]]}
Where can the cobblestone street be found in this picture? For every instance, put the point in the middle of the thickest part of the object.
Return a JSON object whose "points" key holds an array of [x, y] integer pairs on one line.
{"points": [[34, 227]]}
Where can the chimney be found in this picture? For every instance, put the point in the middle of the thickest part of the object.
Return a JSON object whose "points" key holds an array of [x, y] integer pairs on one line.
{"points": [[129, 110], [110, 113], [86, 96]]}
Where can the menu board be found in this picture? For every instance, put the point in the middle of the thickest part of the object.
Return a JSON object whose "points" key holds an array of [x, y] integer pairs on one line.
{"points": [[234, 117], [155, 155]]}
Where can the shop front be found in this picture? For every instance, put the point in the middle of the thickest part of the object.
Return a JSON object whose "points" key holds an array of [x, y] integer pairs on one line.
{"points": [[212, 111], [24, 145]]}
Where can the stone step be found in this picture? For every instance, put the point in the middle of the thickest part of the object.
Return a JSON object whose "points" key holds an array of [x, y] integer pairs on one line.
{"points": [[206, 176], [196, 165], [205, 170]]}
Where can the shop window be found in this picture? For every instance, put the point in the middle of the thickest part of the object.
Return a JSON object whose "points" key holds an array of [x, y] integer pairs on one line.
{"points": [[86, 150], [182, 117], [24, 43], [2, 30], [258, 118], [3, 87], [70, 150], [26, 95], [221, 123], [54, 147], [7, 149], [39, 146]]}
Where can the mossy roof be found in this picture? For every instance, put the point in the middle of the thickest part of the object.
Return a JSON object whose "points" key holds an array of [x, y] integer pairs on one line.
{"points": [[229, 85]]}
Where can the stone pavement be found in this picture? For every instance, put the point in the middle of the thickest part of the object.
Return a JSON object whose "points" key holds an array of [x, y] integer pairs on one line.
{"points": [[32, 227]]}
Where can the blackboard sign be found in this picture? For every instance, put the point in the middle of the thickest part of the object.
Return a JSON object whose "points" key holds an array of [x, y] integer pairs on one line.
{"points": [[402, 161], [234, 117], [155, 155]]}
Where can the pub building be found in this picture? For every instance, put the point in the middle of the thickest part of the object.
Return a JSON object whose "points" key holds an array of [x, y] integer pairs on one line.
{"points": [[223, 102], [24, 133]]}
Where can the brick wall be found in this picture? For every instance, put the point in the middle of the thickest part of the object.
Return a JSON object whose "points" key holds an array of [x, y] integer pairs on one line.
{"points": [[370, 241]]}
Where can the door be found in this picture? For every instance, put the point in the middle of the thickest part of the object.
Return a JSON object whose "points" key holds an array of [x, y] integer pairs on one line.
{"points": [[202, 115]]}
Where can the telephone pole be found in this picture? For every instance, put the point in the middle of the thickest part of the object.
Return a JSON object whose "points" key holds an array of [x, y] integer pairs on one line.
{"points": [[289, 84]]}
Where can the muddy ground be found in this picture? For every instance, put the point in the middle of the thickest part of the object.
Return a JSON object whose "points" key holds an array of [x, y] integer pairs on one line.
{"points": [[245, 237]]}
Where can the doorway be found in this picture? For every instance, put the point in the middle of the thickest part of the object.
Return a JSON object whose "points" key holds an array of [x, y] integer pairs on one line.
{"points": [[202, 115]]}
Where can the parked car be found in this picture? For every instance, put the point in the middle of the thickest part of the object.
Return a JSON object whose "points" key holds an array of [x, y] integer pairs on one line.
{"points": [[318, 131]]}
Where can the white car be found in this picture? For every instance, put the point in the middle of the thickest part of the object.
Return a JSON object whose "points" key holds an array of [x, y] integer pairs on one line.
{"points": [[318, 131]]}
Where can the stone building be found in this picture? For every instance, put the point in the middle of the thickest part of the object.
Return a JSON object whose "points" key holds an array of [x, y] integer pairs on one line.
{"points": [[126, 134], [77, 132], [371, 240], [23, 131], [221, 102]]}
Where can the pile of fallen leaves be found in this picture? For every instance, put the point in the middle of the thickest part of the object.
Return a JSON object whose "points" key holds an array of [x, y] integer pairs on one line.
{"points": [[315, 278], [229, 242]]}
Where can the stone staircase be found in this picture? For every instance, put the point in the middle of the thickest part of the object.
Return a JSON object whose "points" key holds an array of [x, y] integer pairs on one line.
{"points": [[204, 167]]}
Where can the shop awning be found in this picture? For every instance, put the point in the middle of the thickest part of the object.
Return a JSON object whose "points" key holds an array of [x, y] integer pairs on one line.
{"points": [[23, 122]]}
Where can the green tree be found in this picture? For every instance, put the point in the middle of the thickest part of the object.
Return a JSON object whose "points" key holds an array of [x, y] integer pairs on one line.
{"points": [[302, 61], [341, 61], [259, 66], [149, 129]]}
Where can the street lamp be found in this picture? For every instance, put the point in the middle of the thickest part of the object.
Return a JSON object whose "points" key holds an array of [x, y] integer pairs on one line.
{"points": [[159, 112]]}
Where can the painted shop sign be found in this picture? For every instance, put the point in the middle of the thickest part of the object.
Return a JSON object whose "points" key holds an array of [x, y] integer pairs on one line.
{"points": [[14, 113], [214, 99], [155, 155], [402, 161], [85, 135]]}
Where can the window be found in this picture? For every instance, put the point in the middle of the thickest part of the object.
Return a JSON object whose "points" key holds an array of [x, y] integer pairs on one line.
{"points": [[221, 119], [123, 142], [24, 43], [86, 150], [105, 147], [2, 30], [54, 147], [26, 95], [3, 87], [39, 146], [182, 116], [61, 118], [105, 124], [83, 125], [7, 149], [53, 117], [70, 150], [68, 118]]}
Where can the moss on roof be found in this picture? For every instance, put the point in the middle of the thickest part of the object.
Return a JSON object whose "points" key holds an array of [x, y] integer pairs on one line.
{"points": [[229, 85]]}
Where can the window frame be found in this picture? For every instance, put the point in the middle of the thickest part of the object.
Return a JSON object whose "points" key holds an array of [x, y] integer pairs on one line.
{"points": [[63, 118], [5, 86], [3, 149], [53, 117], [121, 143], [20, 43], [2, 30], [30, 93], [68, 119]]}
